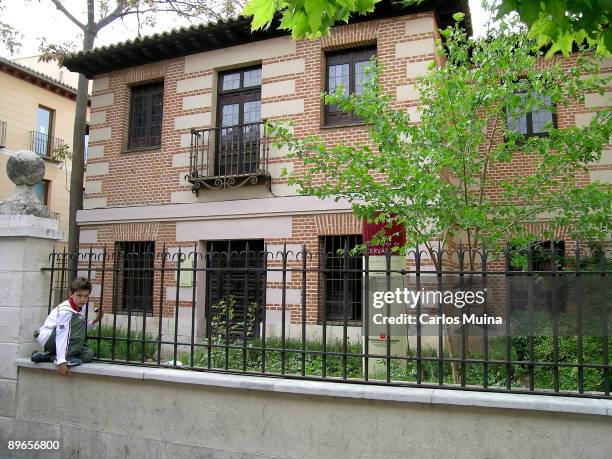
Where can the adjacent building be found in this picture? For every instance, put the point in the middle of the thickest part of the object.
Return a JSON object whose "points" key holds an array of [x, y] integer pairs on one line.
{"points": [[37, 113]]}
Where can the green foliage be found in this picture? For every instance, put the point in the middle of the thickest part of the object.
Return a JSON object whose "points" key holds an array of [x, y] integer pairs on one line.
{"points": [[305, 18], [62, 153], [274, 357], [250, 359], [441, 176], [568, 353], [9, 37], [558, 23], [224, 321], [561, 23], [105, 348]]}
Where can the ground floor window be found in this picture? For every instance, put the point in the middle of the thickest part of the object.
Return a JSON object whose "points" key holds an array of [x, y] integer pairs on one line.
{"points": [[341, 279], [236, 278], [134, 264]]}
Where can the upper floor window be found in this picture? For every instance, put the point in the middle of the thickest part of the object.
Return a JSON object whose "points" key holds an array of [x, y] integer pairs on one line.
{"points": [[146, 116], [237, 149], [42, 141], [536, 122], [239, 97], [346, 68]]}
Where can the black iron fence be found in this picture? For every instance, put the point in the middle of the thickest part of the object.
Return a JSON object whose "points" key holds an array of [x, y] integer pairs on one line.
{"points": [[532, 320], [44, 144], [229, 156]]}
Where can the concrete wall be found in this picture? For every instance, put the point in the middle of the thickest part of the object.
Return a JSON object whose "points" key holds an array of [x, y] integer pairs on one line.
{"points": [[171, 413]]}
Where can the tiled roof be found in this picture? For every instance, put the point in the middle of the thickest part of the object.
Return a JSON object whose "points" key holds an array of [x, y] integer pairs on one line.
{"points": [[225, 33], [29, 73]]}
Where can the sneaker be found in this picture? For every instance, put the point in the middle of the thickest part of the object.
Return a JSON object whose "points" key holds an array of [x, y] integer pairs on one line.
{"points": [[38, 357], [73, 361]]}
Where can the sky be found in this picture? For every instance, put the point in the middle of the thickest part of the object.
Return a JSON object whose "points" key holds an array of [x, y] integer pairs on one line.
{"points": [[36, 19]]}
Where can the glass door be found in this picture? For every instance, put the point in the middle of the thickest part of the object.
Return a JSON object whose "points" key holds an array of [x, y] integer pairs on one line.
{"points": [[42, 136], [239, 117]]}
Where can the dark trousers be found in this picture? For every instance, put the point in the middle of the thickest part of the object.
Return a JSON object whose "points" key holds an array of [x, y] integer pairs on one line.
{"points": [[76, 344]]}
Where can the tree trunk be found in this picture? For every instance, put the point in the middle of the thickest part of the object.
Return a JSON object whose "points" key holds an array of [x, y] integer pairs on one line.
{"points": [[78, 161]]}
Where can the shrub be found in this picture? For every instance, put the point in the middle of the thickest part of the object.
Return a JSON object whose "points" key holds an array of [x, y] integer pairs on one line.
{"points": [[104, 348]]}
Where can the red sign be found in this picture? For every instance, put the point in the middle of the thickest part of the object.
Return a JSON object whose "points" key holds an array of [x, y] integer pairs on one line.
{"points": [[396, 233]]}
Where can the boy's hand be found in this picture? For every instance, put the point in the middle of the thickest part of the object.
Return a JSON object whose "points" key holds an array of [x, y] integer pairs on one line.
{"points": [[99, 316], [63, 370]]}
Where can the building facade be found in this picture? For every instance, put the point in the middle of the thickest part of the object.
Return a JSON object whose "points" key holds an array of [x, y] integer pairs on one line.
{"points": [[178, 157]]}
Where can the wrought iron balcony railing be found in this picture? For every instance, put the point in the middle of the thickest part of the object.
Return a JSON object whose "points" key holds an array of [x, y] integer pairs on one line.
{"points": [[229, 157], [44, 144], [2, 134]]}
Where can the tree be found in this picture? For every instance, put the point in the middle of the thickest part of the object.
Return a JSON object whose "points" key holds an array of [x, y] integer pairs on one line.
{"points": [[452, 175], [9, 37], [561, 23], [97, 17], [558, 23]]}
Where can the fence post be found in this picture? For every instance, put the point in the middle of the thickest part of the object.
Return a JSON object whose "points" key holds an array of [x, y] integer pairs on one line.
{"points": [[27, 237]]}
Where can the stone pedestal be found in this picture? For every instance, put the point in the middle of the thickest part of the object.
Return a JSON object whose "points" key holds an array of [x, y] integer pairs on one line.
{"points": [[26, 240], [25, 244]]}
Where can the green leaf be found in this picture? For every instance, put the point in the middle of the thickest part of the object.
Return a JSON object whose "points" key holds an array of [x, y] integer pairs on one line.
{"points": [[300, 25], [366, 6], [458, 17], [315, 11], [262, 12]]}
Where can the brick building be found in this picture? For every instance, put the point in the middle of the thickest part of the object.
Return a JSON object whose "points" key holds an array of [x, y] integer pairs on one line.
{"points": [[178, 157]]}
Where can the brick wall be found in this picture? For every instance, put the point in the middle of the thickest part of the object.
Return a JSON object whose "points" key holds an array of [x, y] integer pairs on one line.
{"points": [[293, 77]]}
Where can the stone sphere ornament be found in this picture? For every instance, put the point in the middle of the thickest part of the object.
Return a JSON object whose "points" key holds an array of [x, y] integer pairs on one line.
{"points": [[25, 168]]}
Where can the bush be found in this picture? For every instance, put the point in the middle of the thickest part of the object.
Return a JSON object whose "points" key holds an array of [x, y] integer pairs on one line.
{"points": [[313, 362], [568, 353], [105, 348]]}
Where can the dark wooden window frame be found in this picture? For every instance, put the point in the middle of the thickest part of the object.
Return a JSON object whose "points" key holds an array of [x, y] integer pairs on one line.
{"points": [[331, 285], [335, 116], [529, 122], [150, 140], [223, 282], [240, 96], [135, 270]]}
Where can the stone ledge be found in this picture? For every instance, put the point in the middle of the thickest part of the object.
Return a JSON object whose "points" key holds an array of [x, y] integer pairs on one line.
{"points": [[29, 226], [554, 404]]}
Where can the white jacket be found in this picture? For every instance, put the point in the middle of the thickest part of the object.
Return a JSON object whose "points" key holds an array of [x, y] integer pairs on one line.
{"points": [[59, 319]]}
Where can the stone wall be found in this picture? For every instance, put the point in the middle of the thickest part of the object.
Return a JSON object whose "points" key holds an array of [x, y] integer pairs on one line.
{"points": [[123, 411]]}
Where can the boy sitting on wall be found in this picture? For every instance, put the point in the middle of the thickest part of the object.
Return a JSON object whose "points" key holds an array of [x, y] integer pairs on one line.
{"points": [[63, 333]]}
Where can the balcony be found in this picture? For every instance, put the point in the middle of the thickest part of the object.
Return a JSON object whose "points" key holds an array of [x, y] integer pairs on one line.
{"points": [[43, 144], [229, 157], [2, 134]]}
